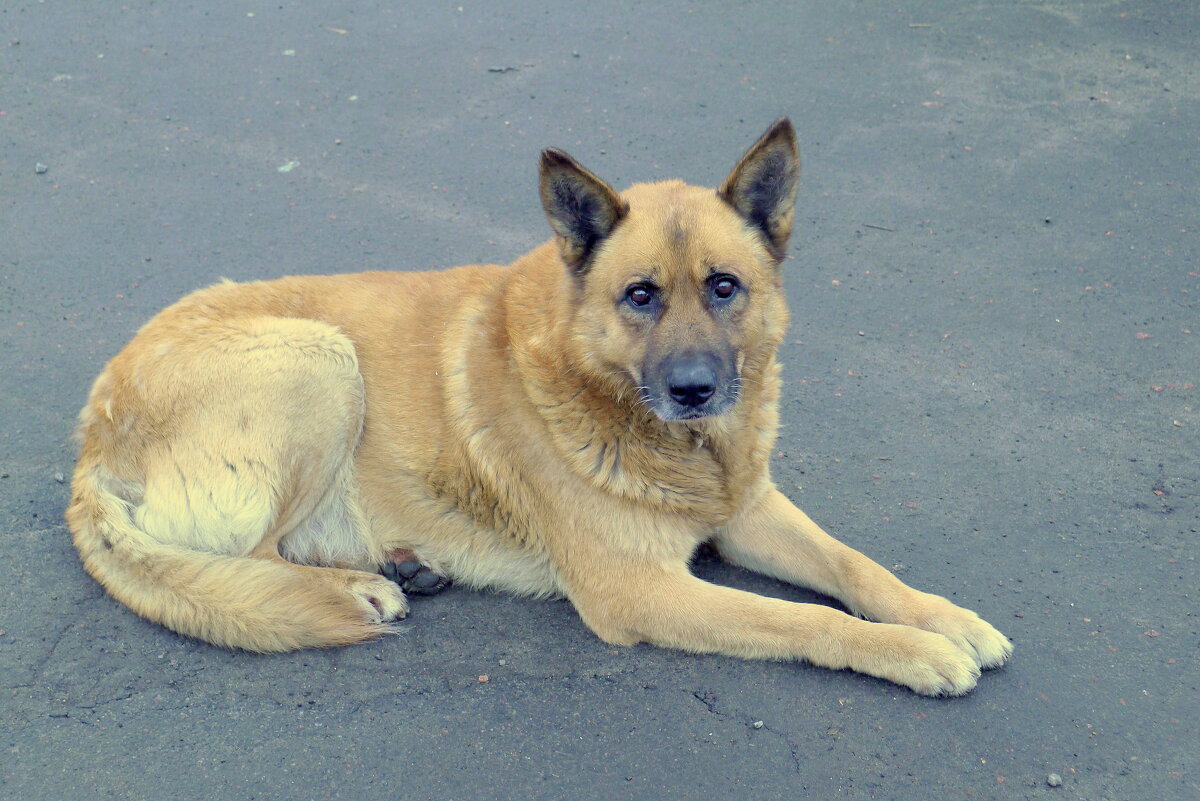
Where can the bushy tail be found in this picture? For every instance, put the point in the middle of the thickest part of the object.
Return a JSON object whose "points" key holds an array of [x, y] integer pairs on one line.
{"points": [[237, 602]]}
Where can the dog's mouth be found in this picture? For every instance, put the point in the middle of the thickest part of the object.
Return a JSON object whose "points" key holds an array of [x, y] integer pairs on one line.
{"points": [[672, 409]]}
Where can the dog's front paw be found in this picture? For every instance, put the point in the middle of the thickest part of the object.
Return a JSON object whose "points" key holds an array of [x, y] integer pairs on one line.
{"points": [[926, 663], [967, 630]]}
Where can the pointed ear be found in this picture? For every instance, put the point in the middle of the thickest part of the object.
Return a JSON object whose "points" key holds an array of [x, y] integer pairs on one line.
{"points": [[583, 210], [762, 187]]}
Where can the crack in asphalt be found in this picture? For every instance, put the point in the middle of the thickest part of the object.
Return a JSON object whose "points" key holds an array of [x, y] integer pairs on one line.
{"points": [[793, 746], [39, 667], [710, 700]]}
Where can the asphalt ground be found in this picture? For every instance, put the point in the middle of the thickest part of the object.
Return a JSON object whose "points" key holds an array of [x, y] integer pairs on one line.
{"points": [[991, 379]]}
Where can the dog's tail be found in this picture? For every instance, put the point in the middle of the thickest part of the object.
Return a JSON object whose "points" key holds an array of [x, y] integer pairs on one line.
{"points": [[238, 602]]}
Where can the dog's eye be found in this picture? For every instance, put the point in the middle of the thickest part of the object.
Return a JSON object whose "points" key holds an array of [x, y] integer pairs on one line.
{"points": [[640, 294], [724, 287]]}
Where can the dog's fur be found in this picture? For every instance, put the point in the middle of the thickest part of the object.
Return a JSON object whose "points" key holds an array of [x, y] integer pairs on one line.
{"points": [[574, 424]]}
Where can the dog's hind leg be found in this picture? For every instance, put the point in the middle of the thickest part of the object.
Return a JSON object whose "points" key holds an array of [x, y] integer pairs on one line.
{"points": [[206, 445]]}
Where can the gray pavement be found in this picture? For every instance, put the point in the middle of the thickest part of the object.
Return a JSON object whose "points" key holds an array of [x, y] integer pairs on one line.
{"points": [[992, 379]]}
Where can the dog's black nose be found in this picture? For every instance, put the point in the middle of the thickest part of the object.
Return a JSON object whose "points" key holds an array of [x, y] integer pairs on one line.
{"points": [[691, 382]]}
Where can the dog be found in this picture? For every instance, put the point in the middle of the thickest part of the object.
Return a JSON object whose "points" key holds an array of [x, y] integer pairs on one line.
{"points": [[575, 424]]}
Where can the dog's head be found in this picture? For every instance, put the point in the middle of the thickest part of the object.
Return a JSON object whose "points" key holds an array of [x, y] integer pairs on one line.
{"points": [[676, 285]]}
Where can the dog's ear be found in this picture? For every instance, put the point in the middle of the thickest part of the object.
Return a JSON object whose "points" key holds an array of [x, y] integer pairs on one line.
{"points": [[583, 210], [762, 187]]}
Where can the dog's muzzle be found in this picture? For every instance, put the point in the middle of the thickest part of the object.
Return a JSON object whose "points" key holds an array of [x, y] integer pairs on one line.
{"points": [[690, 386]]}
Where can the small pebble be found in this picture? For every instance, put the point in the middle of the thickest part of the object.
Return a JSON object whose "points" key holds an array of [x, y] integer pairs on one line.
{"points": [[758, 724], [1054, 780], [60, 478], [504, 661], [483, 679], [40, 168]]}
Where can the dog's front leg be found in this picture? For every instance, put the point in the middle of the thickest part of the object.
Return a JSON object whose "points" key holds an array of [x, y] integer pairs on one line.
{"points": [[775, 538], [628, 600]]}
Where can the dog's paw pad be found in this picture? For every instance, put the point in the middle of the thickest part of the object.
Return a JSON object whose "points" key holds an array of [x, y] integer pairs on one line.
{"points": [[414, 576]]}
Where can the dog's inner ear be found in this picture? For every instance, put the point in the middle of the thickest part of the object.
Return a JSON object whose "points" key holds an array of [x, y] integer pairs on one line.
{"points": [[583, 210], [762, 187]]}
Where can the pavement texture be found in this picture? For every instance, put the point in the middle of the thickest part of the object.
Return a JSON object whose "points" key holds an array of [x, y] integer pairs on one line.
{"points": [[992, 379]]}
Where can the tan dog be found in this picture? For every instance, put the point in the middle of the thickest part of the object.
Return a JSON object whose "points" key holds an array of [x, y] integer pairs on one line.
{"points": [[574, 424]]}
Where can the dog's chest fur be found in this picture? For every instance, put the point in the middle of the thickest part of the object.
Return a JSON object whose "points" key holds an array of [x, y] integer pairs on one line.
{"points": [[597, 453], [628, 456]]}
